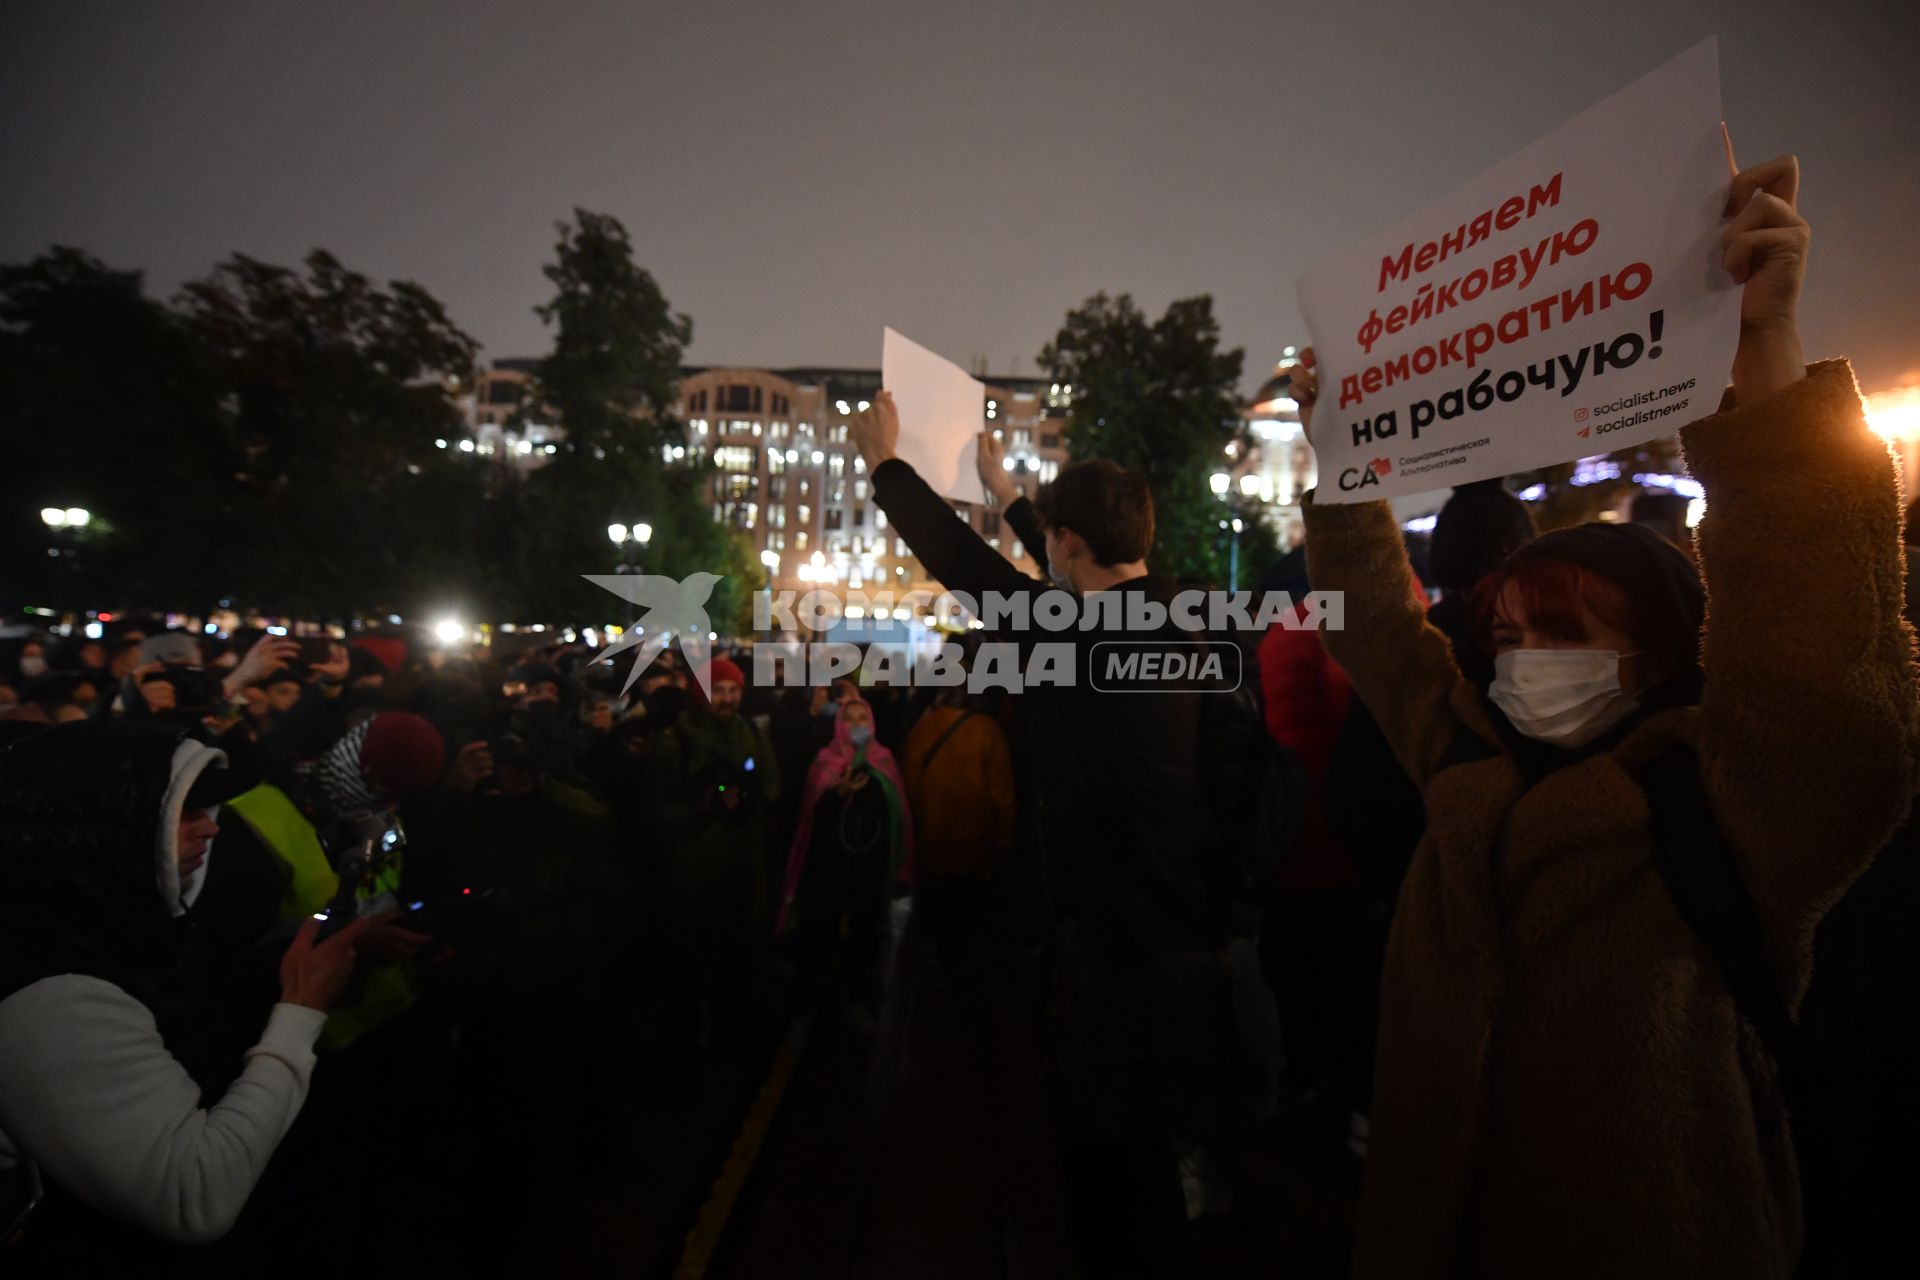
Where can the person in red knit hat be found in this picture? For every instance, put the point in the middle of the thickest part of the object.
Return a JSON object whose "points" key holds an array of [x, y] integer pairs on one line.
{"points": [[724, 684], [401, 755]]}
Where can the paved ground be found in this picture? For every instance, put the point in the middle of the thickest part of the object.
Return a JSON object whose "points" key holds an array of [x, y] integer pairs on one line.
{"points": [[918, 1149], [925, 1151]]}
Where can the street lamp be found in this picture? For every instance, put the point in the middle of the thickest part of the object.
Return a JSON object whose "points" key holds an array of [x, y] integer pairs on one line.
{"points": [[1221, 482], [1233, 558], [640, 535], [619, 535], [61, 522]]}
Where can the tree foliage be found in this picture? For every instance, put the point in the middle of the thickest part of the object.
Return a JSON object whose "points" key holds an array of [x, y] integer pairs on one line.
{"points": [[1161, 397], [333, 392], [107, 409], [269, 437], [611, 382]]}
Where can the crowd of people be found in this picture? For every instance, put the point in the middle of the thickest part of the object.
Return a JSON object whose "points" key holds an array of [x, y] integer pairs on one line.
{"points": [[543, 872], [1582, 932]]}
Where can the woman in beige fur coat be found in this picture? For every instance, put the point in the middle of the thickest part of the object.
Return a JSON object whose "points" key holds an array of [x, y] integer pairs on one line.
{"points": [[1565, 1086]]}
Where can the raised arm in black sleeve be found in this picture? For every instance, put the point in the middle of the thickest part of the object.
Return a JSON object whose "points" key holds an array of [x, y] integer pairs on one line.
{"points": [[949, 548], [1025, 523]]}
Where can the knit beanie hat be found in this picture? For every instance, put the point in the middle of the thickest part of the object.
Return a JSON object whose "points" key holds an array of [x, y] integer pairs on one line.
{"points": [[402, 755], [721, 669], [176, 648], [531, 673], [1652, 571], [361, 663]]}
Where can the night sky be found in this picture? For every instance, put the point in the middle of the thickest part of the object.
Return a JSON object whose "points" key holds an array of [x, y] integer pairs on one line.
{"points": [[798, 175]]}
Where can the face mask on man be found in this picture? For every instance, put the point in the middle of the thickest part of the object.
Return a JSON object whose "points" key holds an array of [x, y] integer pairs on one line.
{"points": [[1567, 697], [860, 735], [1057, 575], [33, 665]]}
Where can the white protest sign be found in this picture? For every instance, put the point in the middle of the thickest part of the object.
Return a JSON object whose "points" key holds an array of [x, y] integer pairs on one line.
{"points": [[1567, 302], [943, 409]]}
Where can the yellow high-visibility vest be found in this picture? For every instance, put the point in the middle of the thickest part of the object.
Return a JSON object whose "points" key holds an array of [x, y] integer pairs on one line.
{"points": [[285, 830]]}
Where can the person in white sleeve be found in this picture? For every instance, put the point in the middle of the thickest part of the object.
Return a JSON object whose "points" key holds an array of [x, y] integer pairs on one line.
{"points": [[122, 1076]]}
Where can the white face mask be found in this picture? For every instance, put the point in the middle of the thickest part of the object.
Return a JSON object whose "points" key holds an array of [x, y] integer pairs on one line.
{"points": [[1567, 697], [33, 665], [1058, 576]]}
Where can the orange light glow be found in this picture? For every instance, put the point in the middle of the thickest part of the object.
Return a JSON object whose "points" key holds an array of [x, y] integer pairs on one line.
{"points": [[1895, 415]]}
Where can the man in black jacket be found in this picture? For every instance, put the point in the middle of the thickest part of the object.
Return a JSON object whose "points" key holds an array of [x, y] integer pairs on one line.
{"points": [[1116, 792]]}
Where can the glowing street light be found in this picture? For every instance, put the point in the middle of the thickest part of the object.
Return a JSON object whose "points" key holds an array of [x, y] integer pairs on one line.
{"points": [[616, 533], [1221, 482], [449, 631], [1895, 415]]}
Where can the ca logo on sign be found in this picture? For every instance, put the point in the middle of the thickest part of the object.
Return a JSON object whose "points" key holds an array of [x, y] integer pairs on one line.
{"points": [[1360, 477]]}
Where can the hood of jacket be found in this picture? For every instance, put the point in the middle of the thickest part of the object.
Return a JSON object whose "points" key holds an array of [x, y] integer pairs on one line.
{"points": [[90, 813], [190, 760]]}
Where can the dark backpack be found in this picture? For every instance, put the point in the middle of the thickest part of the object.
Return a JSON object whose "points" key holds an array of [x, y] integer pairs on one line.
{"points": [[1846, 1068]]}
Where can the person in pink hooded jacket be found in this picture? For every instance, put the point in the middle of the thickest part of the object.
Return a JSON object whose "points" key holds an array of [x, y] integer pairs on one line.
{"points": [[852, 847]]}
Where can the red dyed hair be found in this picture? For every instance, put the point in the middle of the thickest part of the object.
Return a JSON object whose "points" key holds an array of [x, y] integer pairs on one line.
{"points": [[1556, 596]]}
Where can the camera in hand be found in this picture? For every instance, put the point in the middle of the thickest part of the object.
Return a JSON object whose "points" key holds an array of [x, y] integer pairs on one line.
{"points": [[194, 689], [720, 777], [360, 848]]}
